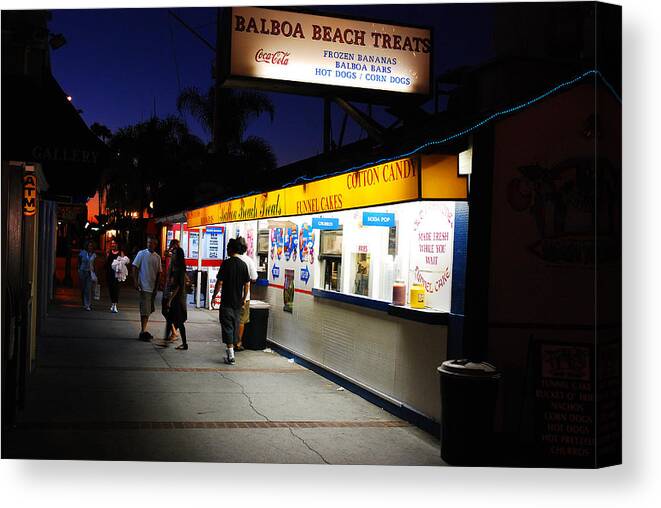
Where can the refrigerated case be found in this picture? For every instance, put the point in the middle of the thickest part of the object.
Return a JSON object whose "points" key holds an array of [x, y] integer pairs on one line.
{"points": [[330, 257]]}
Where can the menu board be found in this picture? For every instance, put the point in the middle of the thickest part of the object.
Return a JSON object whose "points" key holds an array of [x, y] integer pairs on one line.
{"points": [[214, 243], [564, 404], [194, 243]]}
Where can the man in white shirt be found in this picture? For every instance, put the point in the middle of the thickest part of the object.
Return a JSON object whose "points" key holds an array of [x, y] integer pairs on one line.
{"points": [[146, 268], [252, 272]]}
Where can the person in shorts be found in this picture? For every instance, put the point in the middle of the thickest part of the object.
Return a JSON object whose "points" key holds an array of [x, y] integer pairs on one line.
{"points": [[252, 272], [146, 269], [234, 280]]}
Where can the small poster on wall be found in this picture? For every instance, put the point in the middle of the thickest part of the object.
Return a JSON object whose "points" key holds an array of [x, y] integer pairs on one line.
{"points": [[277, 243], [306, 244], [211, 283], [194, 240], [288, 291], [291, 243], [250, 240], [431, 259]]}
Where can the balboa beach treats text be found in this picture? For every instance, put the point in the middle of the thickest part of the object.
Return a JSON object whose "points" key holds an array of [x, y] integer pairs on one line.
{"points": [[325, 33]]}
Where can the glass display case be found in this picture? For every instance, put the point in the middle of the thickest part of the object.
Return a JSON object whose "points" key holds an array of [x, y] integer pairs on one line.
{"points": [[330, 257]]}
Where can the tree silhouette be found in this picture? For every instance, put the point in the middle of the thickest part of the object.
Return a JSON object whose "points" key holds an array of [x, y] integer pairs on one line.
{"points": [[237, 109], [101, 131], [150, 155]]}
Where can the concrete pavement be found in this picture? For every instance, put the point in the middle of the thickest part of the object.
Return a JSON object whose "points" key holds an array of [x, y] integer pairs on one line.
{"points": [[99, 393]]}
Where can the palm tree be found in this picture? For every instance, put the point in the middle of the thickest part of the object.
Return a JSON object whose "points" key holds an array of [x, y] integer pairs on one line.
{"points": [[237, 109], [151, 154]]}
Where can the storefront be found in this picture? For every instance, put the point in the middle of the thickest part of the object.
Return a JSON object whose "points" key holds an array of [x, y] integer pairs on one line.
{"points": [[340, 260]]}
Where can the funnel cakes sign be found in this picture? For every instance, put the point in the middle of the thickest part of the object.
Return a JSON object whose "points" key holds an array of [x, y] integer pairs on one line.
{"points": [[294, 49]]}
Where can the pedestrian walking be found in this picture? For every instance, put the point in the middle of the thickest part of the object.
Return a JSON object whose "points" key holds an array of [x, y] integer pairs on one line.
{"points": [[252, 272], [116, 272], [174, 305], [146, 269], [234, 280], [86, 273]]}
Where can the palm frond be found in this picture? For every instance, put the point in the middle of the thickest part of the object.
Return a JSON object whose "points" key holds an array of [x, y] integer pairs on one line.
{"points": [[192, 101]]}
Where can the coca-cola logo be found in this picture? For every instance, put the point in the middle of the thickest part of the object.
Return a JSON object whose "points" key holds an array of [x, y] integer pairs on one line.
{"points": [[275, 57]]}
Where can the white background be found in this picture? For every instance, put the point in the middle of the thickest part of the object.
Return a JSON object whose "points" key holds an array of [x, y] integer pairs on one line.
{"points": [[637, 483]]}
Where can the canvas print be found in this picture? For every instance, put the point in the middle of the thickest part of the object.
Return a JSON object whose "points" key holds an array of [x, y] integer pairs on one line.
{"points": [[437, 187]]}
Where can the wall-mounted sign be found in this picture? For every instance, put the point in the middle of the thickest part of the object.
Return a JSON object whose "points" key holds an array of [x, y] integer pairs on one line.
{"points": [[564, 404], [260, 206], [213, 243], [390, 182], [63, 153], [378, 219], [211, 284], [395, 181], [305, 274], [194, 244], [325, 223], [432, 251], [466, 162], [287, 49], [29, 191], [71, 213]]}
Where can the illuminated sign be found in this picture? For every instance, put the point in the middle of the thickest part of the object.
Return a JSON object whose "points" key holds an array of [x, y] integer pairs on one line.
{"points": [[396, 181], [326, 223], [259, 206], [29, 192], [286, 46], [391, 182], [378, 219]]}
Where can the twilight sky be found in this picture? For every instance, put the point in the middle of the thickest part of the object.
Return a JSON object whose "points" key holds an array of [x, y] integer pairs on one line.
{"points": [[120, 65]]}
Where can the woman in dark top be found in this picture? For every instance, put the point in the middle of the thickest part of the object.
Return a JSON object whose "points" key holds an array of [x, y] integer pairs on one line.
{"points": [[174, 296]]}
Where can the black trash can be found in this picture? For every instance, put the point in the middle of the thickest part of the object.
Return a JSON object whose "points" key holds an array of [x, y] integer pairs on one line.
{"points": [[468, 405], [254, 336]]}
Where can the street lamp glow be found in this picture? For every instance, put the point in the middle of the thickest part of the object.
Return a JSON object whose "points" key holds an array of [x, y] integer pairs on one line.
{"points": [[69, 98]]}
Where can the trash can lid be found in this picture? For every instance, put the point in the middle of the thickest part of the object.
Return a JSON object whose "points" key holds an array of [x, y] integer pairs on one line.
{"points": [[465, 367], [258, 304]]}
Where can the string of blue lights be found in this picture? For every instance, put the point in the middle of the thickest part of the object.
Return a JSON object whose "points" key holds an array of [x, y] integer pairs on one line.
{"points": [[463, 132]]}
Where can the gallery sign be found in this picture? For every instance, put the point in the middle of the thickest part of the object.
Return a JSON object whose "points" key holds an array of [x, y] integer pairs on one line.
{"points": [[66, 154], [288, 49]]}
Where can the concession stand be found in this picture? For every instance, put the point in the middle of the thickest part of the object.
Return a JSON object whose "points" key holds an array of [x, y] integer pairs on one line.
{"points": [[340, 260]]}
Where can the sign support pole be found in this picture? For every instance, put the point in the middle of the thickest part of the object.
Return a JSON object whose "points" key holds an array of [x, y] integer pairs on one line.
{"points": [[217, 72], [198, 288], [327, 125]]}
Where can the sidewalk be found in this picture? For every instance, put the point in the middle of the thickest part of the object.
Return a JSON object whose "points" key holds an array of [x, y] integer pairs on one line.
{"points": [[99, 393]]}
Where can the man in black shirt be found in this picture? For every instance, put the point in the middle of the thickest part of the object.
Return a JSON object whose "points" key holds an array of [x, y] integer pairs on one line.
{"points": [[234, 279]]}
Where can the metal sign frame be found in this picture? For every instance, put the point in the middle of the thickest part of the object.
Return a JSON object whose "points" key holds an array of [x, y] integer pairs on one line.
{"points": [[366, 95]]}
